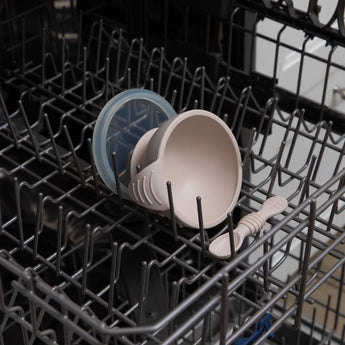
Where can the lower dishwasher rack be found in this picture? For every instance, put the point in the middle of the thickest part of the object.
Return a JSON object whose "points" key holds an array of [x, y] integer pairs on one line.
{"points": [[79, 265]]}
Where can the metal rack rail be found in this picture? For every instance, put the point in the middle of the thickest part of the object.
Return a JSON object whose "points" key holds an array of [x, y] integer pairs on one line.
{"points": [[79, 264]]}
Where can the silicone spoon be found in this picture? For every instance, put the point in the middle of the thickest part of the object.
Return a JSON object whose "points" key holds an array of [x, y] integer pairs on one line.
{"points": [[248, 225]]}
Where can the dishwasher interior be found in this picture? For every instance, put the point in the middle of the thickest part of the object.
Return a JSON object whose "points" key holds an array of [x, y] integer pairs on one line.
{"points": [[79, 264]]}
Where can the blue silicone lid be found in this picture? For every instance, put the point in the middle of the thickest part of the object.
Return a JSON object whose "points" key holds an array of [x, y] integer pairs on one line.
{"points": [[120, 125]]}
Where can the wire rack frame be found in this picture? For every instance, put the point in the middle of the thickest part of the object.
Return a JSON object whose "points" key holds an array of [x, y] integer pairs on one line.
{"points": [[44, 164]]}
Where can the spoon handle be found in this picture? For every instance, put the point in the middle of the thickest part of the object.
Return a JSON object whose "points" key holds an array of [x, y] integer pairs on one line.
{"points": [[255, 221], [273, 206], [248, 225]]}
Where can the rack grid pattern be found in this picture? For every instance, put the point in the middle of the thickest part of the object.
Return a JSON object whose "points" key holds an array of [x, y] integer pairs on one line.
{"points": [[68, 243]]}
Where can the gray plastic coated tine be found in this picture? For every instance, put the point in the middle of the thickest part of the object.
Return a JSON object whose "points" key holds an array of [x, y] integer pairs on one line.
{"points": [[67, 332], [27, 125], [8, 120], [237, 111], [195, 104], [74, 155], [160, 70], [322, 150], [52, 139], [325, 80], [300, 262], [106, 79], [332, 214], [305, 266], [63, 72], [215, 95], [202, 87], [85, 259], [270, 107], [93, 167], [59, 240], [172, 209], [243, 112], [325, 320], [288, 127], [114, 250], [84, 75], [288, 130], [138, 168], [315, 139], [226, 118], [129, 75], [312, 327], [266, 265], [39, 223], [201, 224], [140, 55], [91, 247], [271, 244], [23, 53], [205, 328], [294, 138], [340, 158], [301, 64], [43, 71], [143, 281], [174, 294], [220, 105], [99, 42], [173, 98], [275, 169], [33, 314], [305, 188], [339, 297], [117, 180], [19, 213], [183, 82], [24, 332], [151, 84], [249, 146], [285, 297], [224, 311], [230, 225]]}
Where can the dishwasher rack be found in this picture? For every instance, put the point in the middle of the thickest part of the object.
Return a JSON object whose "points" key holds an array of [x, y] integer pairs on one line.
{"points": [[81, 265]]}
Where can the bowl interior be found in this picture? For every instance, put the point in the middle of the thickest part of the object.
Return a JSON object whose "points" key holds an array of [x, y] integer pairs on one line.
{"points": [[201, 158]]}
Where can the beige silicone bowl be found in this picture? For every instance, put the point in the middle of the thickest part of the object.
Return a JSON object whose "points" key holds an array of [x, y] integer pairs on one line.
{"points": [[198, 153]]}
